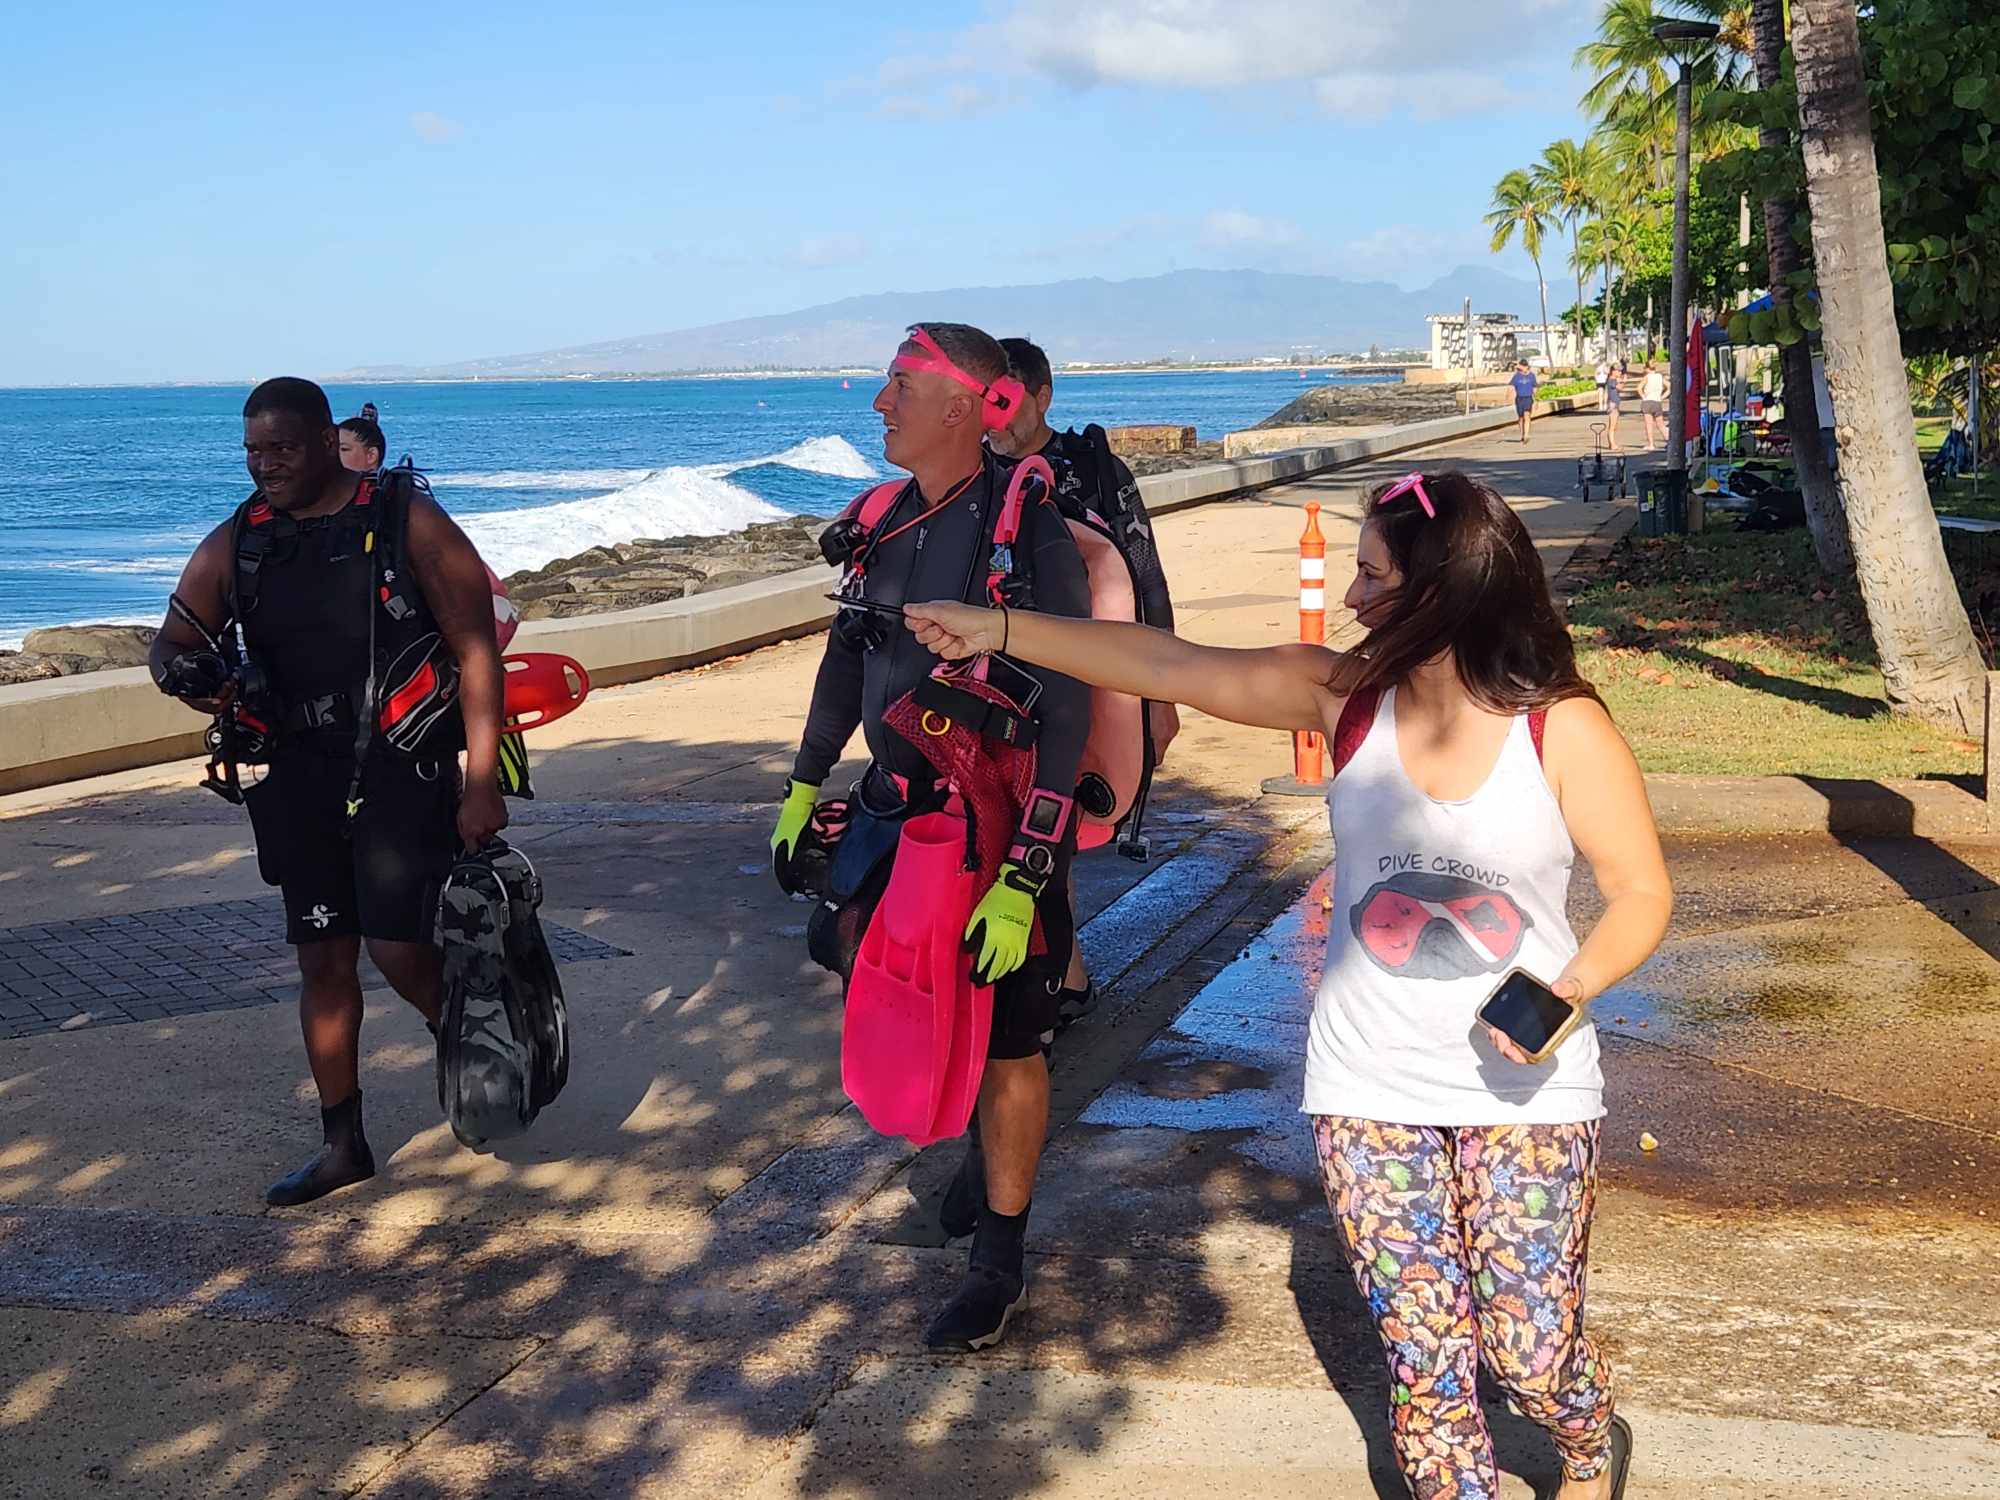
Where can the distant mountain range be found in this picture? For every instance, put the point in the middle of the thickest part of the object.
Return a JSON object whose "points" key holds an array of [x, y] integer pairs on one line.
{"points": [[1185, 315]]}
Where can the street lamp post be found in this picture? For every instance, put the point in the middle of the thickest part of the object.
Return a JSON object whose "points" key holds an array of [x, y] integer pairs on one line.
{"points": [[1683, 39]]}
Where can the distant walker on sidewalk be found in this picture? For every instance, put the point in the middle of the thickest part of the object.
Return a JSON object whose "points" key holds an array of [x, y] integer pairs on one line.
{"points": [[1524, 384]]}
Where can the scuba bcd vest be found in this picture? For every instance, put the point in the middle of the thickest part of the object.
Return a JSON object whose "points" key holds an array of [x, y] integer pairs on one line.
{"points": [[408, 693], [1115, 775]]}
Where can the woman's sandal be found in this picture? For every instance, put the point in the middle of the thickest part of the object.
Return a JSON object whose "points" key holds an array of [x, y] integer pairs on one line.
{"points": [[1621, 1456]]}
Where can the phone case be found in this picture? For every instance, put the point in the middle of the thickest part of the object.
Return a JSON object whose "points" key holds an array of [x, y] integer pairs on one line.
{"points": [[1562, 1031]]}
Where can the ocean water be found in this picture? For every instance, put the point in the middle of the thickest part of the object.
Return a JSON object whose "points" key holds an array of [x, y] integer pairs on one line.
{"points": [[104, 492]]}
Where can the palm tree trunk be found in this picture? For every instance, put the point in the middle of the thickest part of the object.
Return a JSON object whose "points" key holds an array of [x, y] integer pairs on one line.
{"points": [[1576, 265], [1930, 662], [1544, 286], [1607, 308], [1826, 516], [1650, 345]]}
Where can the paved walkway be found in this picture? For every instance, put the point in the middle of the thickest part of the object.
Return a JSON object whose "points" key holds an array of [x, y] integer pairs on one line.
{"points": [[701, 1275]]}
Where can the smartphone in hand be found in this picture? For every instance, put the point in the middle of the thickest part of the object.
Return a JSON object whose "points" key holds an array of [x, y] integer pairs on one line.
{"points": [[1530, 1015]]}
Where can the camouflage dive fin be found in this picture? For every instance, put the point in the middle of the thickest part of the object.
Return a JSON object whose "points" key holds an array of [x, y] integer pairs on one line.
{"points": [[503, 1037]]}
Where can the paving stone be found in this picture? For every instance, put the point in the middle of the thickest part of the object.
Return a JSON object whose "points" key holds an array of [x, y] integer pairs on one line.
{"points": [[178, 961]]}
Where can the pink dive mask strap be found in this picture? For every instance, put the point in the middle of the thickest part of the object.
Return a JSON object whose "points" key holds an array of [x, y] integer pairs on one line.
{"points": [[998, 402]]}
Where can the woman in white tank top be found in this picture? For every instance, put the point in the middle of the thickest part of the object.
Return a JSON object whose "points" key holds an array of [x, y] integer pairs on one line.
{"points": [[1472, 763]]}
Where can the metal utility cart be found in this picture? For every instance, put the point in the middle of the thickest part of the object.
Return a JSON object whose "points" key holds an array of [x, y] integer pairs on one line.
{"points": [[1601, 472]]}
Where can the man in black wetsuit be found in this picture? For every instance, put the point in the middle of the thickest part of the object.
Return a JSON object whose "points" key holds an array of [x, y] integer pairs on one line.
{"points": [[936, 542], [1090, 480], [357, 828]]}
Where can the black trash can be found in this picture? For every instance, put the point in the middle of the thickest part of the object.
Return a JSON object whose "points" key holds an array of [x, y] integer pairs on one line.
{"points": [[1663, 502]]}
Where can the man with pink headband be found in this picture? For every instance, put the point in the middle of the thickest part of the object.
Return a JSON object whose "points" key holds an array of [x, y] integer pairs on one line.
{"points": [[947, 388]]}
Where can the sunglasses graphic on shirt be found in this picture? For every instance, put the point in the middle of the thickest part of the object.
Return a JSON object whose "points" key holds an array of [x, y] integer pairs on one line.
{"points": [[1418, 925]]}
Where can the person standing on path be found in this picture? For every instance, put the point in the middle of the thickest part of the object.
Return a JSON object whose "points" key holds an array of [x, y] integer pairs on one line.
{"points": [[1090, 480], [1614, 401], [1524, 384], [936, 537], [1603, 380], [1471, 764], [1653, 406], [357, 833]]}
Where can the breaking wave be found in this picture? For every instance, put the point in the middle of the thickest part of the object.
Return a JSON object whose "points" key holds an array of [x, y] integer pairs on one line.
{"points": [[678, 501]]}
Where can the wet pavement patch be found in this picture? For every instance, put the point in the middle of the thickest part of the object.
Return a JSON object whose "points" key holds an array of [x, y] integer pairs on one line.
{"points": [[1206, 1116], [178, 961]]}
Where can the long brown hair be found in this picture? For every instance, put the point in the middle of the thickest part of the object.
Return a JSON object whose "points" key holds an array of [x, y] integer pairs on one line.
{"points": [[1473, 586]]}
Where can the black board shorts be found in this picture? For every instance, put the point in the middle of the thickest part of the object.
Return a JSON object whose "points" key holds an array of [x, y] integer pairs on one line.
{"points": [[378, 877], [1027, 1004]]}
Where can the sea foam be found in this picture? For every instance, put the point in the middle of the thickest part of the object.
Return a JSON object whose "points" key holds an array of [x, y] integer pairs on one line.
{"points": [[676, 501]]}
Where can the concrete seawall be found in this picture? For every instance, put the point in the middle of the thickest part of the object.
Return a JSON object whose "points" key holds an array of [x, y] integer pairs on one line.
{"points": [[70, 727]]}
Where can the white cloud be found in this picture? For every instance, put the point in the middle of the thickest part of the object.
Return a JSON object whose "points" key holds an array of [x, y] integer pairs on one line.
{"points": [[819, 251], [435, 129], [1352, 57], [1433, 95], [1233, 229]]}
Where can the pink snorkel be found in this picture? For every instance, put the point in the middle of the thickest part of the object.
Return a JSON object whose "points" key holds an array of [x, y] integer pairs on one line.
{"points": [[997, 402]]}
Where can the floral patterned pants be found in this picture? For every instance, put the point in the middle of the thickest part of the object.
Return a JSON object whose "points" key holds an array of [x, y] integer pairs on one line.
{"points": [[1469, 1246]]}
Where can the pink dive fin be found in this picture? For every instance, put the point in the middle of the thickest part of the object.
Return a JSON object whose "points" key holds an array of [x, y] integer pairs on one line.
{"points": [[911, 992]]}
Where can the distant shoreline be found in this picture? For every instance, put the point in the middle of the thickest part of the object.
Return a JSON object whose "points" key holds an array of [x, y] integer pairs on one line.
{"points": [[1321, 367]]}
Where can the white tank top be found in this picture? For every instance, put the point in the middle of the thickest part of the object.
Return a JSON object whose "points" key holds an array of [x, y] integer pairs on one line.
{"points": [[1433, 902]]}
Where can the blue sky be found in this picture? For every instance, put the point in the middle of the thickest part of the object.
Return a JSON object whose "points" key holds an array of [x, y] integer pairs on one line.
{"points": [[217, 191]]}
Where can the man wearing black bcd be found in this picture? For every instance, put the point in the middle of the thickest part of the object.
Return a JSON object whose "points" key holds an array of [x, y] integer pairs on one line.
{"points": [[361, 607]]}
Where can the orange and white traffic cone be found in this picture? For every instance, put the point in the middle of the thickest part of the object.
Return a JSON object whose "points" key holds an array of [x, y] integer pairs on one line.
{"points": [[1308, 778]]}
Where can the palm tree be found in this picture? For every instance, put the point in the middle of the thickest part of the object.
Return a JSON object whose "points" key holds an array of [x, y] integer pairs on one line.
{"points": [[1930, 663], [1630, 63], [1610, 242], [1521, 206], [1625, 234], [1571, 177], [1612, 239], [1826, 520]]}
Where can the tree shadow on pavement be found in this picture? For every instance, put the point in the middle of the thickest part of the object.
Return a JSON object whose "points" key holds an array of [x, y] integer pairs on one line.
{"points": [[656, 1290]]}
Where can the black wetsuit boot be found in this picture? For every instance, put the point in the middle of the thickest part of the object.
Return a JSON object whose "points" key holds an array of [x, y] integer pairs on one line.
{"points": [[994, 1289], [343, 1161], [958, 1214]]}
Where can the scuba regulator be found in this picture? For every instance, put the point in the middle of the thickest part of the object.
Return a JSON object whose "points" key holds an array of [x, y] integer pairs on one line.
{"points": [[244, 732]]}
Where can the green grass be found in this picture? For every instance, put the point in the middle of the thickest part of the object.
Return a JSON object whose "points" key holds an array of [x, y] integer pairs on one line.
{"points": [[1566, 388], [1724, 655], [1978, 499]]}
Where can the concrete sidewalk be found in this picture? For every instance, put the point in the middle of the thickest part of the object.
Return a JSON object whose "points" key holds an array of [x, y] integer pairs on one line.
{"points": [[701, 1274]]}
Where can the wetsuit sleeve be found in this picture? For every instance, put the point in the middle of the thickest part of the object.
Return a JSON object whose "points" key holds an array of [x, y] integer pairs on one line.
{"points": [[835, 712], [1062, 587], [1156, 606]]}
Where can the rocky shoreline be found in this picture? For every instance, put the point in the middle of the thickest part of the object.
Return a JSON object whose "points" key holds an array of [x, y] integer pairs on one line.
{"points": [[659, 570], [1366, 406], [649, 570]]}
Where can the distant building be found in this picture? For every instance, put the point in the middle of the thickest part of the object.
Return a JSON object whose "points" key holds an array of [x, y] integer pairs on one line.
{"points": [[1497, 342]]}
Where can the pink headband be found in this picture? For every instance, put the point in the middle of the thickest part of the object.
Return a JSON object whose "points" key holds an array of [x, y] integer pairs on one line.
{"points": [[998, 401], [1404, 486]]}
